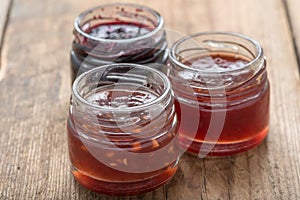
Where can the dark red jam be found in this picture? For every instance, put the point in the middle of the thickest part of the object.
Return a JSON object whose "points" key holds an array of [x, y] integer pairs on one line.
{"points": [[120, 141], [117, 34], [245, 109], [118, 30]]}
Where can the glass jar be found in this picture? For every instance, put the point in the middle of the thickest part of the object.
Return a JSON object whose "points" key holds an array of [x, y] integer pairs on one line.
{"points": [[122, 129], [222, 92], [117, 33]]}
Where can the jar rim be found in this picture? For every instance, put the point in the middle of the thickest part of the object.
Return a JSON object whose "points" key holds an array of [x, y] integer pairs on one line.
{"points": [[159, 20], [166, 89], [257, 57]]}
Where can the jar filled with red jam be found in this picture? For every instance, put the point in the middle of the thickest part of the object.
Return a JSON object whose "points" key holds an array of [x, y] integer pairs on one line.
{"points": [[222, 92], [117, 33], [122, 129]]}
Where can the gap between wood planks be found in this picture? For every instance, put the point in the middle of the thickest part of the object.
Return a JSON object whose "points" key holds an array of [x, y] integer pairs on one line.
{"points": [[290, 24], [4, 20]]}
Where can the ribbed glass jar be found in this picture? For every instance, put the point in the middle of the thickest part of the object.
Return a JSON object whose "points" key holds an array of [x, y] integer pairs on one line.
{"points": [[122, 129], [117, 33], [222, 92]]}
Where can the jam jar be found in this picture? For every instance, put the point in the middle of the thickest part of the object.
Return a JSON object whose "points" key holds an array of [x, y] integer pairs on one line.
{"points": [[117, 33], [222, 92], [122, 129]]}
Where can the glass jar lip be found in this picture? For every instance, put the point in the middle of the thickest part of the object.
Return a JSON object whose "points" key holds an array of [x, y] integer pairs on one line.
{"points": [[166, 90], [159, 20], [257, 58]]}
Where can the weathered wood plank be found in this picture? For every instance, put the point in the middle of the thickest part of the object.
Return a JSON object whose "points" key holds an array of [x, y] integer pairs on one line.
{"points": [[36, 87], [4, 12], [4, 9], [270, 171], [292, 7]]}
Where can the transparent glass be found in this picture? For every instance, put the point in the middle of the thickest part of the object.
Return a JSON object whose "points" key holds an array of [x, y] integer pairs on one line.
{"points": [[122, 129], [115, 33], [222, 92]]}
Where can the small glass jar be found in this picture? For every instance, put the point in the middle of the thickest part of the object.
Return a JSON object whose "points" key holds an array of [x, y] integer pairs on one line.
{"points": [[117, 33], [222, 92], [122, 129]]}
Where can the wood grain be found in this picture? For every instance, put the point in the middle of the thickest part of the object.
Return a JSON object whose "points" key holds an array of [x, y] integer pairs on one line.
{"points": [[36, 88], [4, 12], [4, 9], [292, 7]]}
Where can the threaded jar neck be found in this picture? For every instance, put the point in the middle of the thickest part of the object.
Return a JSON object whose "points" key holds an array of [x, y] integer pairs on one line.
{"points": [[217, 65], [118, 13], [122, 101]]}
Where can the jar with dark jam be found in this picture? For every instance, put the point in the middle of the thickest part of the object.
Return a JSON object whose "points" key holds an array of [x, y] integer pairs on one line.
{"points": [[122, 129], [117, 33], [222, 92]]}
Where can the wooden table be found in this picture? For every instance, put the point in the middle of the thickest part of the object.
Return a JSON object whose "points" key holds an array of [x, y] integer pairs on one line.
{"points": [[35, 89]]}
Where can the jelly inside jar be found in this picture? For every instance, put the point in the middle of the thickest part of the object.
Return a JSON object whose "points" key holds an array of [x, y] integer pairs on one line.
{"points": [[101, 159], [244, 110], [118, 30], [88, 52]]}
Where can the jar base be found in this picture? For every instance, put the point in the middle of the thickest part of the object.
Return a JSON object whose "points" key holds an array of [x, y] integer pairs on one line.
{"points": [[222, 148], [124, 188]]}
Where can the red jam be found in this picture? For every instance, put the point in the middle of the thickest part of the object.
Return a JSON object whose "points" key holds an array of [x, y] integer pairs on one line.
{"points": [[245, 109], [122, 153]]}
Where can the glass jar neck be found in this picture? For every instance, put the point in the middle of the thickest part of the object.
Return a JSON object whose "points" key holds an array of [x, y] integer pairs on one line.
{"points": [[119, 33], [121, 98], [217, 66]]}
